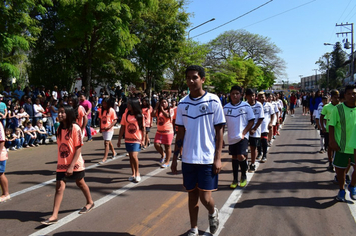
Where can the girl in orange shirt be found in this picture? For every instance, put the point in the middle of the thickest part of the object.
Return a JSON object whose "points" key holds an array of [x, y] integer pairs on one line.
{"points": [[3, 158], [147, 114], [164, 134], [132, 124], [108, 119], [70, 163]]}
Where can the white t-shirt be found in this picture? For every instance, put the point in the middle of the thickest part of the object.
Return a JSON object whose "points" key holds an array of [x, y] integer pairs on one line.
{"points": [[38, 109], [318, 112], [55, 95], [258, 113], [237, 117], [276, 112], [199, 118], [268, 110]]}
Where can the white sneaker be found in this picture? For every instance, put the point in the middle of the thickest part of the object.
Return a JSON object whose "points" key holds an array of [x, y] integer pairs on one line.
{"points": [[138, 179], [214, 221], [193, 232]]}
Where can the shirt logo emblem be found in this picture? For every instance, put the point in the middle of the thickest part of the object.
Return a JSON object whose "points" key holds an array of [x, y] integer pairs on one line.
{"points": [[131, 128], [203, 108], [229, 112], [64, 150]]}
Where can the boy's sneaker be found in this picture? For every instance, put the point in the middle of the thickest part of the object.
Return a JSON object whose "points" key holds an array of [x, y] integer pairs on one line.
{"points": [[13, 148], [264, 159], [321, 150], [234, 184], [259, 156], [252, 168], [193, 232], [331, 168], [341, 195], [347, 179], [214, 221], [352, 191], [243, 182]]}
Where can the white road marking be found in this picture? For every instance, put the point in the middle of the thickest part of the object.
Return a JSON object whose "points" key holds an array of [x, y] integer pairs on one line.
{"points": [[97, 203], [37, 186]]}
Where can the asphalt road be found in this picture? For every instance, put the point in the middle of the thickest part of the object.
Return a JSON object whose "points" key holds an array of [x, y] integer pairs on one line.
{"points": [[291, 194]]}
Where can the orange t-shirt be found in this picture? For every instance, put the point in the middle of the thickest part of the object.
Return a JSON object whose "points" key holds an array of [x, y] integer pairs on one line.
{"points": [[133, 134], [175, 116], [107, 119], [147, 114], [81, 114], [67, 144], [164, 124], [3, 155]]}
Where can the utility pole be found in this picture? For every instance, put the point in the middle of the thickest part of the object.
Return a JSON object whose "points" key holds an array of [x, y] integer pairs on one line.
{"points": [[352, 45]]}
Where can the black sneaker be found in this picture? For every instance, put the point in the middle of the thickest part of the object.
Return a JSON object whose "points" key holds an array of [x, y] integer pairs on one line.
{"points": [[331, 168], [252, 168], [259, 156], [214, 222], [264, 159]]}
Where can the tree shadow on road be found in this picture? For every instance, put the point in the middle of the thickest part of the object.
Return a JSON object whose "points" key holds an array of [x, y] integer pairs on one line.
{"points": [[314, 202], [81, 233], [25, 216]]}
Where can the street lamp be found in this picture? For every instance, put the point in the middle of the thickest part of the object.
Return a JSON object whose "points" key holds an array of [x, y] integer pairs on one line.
{"points": [[327, 56], [200, 25]]}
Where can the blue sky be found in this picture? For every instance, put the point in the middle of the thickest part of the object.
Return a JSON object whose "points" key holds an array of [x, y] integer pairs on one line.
{"points": [[298, 27]]}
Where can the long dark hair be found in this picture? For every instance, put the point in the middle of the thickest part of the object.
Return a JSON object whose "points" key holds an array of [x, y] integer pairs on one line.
{"points": [[148, 105], [108, 102], [137, 111], [68, 122], [75, 103], [159, 107]]}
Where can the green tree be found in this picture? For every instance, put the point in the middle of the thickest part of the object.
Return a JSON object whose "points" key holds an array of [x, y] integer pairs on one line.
{"points": [[90, 39], [332, 65], [190, 53], [246, 45], [18, 32], [161, 34], [237, 70]]}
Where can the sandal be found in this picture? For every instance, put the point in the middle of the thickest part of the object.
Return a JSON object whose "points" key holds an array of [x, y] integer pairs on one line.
{"points": [[49, 222], [86, 210], [4, 198]]}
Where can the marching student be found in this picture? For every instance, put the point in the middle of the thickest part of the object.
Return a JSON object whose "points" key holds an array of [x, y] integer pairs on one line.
{"points": [[324, 101], [325, 116], [200, 120], [266, 126], [132, 125], [239, 120], [70, 163], [341, 126], [255, 131], [4, 183], [108, 119]]}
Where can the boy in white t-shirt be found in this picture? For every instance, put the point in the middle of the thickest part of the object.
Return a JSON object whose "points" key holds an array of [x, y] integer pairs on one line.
{"points": [[239, 120], [200, 120], [255, 132]]}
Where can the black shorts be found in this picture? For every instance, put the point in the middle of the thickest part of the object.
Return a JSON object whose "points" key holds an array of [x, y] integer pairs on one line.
{"points": [[264, 135], [254, 142], [76, 175], [240, 148], [148, 129]]}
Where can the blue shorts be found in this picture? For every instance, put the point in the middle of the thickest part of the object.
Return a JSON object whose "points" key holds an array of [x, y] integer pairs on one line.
{"points": [[133, 147], [2, 166], [148, 129], [291, 107], [198, 175]]}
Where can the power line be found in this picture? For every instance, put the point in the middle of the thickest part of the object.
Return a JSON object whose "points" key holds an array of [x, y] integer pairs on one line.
{"points": [[344, 11], [279, 14], [234, 19], [349, 13]]}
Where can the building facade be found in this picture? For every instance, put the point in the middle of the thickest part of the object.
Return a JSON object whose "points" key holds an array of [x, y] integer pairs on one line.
{"points": [[310, 83]]}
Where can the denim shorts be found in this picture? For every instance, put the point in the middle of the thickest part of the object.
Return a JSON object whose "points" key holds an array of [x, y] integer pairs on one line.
{"points": [[199, 175], [133, 147], [2, 166]]}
